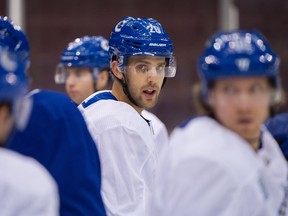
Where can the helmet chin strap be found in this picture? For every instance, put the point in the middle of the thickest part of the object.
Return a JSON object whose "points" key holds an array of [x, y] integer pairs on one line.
{"points": [[126, 89]]}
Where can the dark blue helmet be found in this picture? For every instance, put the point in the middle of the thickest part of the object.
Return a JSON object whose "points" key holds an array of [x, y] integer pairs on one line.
{"points": [[13, 79], [237, 53], [12, 36], [14, 85], [88, 52], [141, 37]]}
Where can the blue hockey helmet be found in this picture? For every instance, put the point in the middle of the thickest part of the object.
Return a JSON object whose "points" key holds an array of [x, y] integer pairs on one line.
{"points": [[13, 79], [237, 53], [12, 36], [89, 52], [141, 37]]}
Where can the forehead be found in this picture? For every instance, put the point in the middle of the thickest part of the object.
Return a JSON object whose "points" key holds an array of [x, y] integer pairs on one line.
{"points": [[78, 70], [146, 59], [242, 81]]}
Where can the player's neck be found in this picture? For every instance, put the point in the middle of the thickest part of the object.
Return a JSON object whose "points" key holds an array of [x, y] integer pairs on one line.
{"points": [[118, 92], [254, 143]]}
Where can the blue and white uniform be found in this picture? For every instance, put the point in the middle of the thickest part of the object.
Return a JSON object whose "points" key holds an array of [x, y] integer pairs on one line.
{"points": [[211, 171], [57, 137], [159, 130], [126, 149], [26, 188]]}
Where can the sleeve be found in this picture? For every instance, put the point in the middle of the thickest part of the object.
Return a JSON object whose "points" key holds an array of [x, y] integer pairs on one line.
{"points": [[127, 166], [200, 187]]}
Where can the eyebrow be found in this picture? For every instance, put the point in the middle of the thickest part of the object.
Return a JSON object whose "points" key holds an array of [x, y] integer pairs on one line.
{"points": [[148, 62]]}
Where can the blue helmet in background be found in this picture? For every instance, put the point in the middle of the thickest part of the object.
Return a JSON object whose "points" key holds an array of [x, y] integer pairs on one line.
{"points": [[141, 37], [14, 86], [89, 52], [13, 37], [13, 79], [237, 53]]}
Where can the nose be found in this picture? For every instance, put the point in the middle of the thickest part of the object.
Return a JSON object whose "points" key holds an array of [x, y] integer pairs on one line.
{"points": [[243, 102], [152, 74]]}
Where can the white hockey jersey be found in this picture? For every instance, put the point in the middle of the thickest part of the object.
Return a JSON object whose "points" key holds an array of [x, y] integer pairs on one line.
{"points": [[26, 188], [127, 153], [159, 130], [211, 171]]}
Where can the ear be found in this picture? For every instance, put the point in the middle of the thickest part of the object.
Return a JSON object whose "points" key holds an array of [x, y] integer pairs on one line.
{"points": [[277, 96], [115, 70], [210, 99]]}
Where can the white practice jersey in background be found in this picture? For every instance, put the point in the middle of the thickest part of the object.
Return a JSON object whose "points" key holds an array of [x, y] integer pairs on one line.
{"points": [[26, 188], [211, 171], [127, 153], [159, 130]]}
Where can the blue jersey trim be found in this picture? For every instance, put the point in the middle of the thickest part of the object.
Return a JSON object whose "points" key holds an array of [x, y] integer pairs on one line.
{"points": [[185, 123], [97, 97]]}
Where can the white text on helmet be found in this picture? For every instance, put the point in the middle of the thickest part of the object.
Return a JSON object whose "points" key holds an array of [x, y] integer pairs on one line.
{"points": [[157, 44]]}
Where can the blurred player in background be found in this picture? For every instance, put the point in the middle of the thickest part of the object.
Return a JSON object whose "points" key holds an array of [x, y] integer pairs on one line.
{"points": [[56, 135], [26, 188], [226, 162], [84, 67], [141, 57]]}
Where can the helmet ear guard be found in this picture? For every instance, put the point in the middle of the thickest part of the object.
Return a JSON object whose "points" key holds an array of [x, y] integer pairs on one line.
{"points": [[275, 83]]}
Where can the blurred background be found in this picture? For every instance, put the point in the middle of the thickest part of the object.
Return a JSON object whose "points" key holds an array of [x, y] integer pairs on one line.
{"points": [[50, 25]]}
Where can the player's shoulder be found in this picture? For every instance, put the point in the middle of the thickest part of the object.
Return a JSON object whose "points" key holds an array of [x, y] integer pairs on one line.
{"points": [[204, 137], [196, 124], [151, 116], [95, 98], [103, 111], [16, 167]]}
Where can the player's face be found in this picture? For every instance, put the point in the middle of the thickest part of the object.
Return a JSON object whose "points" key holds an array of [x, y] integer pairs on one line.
{"points": [[242, 104], [144, 76], [79, 84]]}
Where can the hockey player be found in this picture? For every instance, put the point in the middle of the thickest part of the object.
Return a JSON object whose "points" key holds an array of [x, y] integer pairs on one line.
{"points": [[141, 57], [26, 187], [56, 136], [84, 67], [225, 162]]}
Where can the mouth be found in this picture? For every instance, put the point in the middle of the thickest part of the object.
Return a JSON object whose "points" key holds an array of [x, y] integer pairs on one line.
{"points": [[149, 93], [244, 121]]}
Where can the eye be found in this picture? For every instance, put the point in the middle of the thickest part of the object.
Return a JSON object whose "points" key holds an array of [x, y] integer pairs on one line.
{"points": [[78, 73], [142, 68], [229, 90], [257, 89], [160, 69]]}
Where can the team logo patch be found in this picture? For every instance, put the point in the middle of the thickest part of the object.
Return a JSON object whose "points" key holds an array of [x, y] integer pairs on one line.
{"points": [[242, 64]]}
